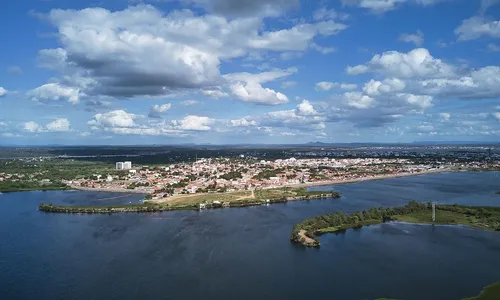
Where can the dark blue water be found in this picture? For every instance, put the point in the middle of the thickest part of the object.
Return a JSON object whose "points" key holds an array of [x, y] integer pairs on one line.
{"points": [[245, 253]]}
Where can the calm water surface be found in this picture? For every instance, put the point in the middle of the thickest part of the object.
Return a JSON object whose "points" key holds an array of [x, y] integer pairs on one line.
{"points": [[245, 253]]}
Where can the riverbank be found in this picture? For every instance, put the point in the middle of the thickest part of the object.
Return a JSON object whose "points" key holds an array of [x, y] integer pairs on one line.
{"points": [[38, 188], [108, 190], [367, 178], [298, 185], [261, 197], [490, 292], [306, 233]]}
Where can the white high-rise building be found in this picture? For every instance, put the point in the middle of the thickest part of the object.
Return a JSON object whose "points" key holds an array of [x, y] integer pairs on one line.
{"points": [[119, 165], [127, 165]]}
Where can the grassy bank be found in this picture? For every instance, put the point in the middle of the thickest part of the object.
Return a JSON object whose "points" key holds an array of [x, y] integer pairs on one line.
{"points": [[491, 292], [208, 201], [307, 232]]}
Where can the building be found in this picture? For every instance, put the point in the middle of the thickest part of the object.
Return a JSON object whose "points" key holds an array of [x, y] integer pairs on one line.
{"points": [[127, 165]]}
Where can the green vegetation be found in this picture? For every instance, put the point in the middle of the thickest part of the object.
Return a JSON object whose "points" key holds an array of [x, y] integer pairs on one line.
{"points": [[491, 292], [479, 217], [15, 186], [289, 193], [266, 174], [196, 199], [57, 169], [146, 207], [193, 201], [232, 175], [47, 173]]}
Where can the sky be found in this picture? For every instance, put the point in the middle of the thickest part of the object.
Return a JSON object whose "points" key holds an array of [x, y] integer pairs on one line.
{"points": [[129, 72]]}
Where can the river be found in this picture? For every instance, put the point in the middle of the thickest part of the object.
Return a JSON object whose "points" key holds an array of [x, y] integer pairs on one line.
{"points": [[245, 253]]}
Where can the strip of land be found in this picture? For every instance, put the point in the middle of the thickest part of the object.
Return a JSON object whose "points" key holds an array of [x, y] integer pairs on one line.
{"points": [[490, 292], [202, 201], [109, 190], [306, 233], [368, 178]]}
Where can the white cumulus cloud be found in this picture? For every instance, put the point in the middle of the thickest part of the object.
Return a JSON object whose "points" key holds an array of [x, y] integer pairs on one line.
{"points": [[306, 109], [243, 122], [157, 110], [477, 27], [196, 123], [141, 51], [416, 63], [59, 125], [32, 126], [115, 118], [255, 93], [3, 92], [55, 92], [445, 116]]}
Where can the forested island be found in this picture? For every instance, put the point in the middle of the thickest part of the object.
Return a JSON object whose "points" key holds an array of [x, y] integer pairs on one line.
{"points": [[206, 201], [306, 233]]}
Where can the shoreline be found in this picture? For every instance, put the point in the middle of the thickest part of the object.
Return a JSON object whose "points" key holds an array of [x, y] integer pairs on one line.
{"points": [[361, 179], [107, 190], [151, 206], [306, 233], [296, 185]]}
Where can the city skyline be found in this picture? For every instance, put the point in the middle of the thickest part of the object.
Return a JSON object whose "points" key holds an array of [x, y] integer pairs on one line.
{"points": [[264, 72]]}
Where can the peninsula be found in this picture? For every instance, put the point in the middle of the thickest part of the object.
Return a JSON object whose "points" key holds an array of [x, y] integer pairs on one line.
{"points": [[306, 233], [490, 292], [202, 201]]}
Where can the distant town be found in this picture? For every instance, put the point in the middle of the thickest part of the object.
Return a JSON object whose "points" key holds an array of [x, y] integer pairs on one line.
{"points": [[225, 172], [228, 175]]}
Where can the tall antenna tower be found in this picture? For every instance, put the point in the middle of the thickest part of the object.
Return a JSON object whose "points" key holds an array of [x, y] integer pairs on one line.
{"points": [[433, 211]]}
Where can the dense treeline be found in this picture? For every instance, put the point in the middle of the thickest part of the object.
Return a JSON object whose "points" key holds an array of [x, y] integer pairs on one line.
{"points": [[146, 207], [232, 175], [266, 174], [13, 186], [480, 217], [312, 226]]}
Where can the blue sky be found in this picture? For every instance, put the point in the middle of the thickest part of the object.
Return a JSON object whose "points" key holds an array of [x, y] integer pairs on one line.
{"points": [[274, 71]]}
